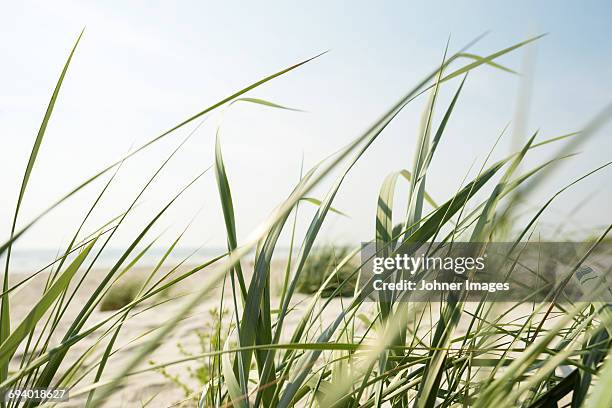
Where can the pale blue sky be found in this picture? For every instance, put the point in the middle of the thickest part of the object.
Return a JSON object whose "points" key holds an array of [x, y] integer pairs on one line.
{"points": [[144, 66]]}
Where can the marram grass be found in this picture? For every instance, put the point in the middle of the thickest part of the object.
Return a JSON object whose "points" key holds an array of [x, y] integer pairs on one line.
{"points": [[386, 354]]}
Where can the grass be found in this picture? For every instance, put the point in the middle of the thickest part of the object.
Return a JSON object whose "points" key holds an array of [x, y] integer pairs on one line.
{"points": [[200, 373], [287, 350], [320, 266], [120, 295]]}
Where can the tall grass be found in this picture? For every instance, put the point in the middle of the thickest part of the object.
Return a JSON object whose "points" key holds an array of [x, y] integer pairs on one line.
{"points": [[385, 354]]}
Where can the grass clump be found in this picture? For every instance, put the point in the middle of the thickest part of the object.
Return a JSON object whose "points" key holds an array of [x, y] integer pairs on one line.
{"points": [[320, 265], [120, 295]]}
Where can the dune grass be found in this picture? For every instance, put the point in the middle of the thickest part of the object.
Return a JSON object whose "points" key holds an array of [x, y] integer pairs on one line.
{"points": [[320, 265], [390, 354], [120, 295]]}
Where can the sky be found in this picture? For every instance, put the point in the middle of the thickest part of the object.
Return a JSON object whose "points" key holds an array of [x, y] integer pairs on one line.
{"points": [[143, 67]]}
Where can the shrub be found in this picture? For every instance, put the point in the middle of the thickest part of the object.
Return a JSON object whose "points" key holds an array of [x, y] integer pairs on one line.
{"points": [[203, 372]]}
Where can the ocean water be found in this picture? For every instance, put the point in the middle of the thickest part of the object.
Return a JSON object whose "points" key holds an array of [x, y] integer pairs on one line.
{"points": [[33, 260]]}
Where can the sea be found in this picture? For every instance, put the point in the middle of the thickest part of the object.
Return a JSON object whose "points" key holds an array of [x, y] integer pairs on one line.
{"points": [[32, 260]]}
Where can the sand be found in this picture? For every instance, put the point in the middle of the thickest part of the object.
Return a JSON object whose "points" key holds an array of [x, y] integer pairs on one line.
{"points": [[150, 386]]}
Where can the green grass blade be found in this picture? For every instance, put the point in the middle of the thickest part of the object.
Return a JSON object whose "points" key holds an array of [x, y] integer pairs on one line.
{"points": [[8, 347], [5, 327]]}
